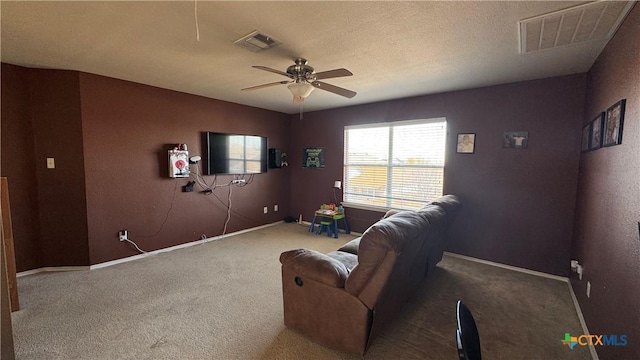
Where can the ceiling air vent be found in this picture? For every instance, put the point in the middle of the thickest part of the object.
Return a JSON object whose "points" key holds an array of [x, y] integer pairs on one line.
{"points": [[257, 41], [593, 21]]}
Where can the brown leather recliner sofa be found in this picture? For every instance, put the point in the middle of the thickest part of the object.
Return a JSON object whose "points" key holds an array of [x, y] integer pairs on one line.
{"points": [[344, 298]]}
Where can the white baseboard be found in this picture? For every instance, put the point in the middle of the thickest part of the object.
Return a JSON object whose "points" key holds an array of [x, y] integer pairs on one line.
{"points": [[181, 246], [140, 256], [52, 269], [585, 330], [509, 267]]}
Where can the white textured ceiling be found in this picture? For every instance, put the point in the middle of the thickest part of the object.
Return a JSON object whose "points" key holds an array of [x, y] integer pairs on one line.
{"points": [[394, 49]]}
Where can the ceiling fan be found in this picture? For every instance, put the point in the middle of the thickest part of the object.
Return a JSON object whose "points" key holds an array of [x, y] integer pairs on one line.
{"points": [[303, 79]]}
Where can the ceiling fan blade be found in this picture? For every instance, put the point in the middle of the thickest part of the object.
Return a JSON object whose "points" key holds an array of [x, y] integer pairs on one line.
{"points": [[333, 74], [266, 85], [273, 71], [334, 89]]}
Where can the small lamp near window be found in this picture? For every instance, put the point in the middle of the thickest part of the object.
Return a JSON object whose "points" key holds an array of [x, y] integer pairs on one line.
{"points": [[337, 185]]}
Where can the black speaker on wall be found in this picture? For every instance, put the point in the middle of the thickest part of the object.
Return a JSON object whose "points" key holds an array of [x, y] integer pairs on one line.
{"points": [[275, 158]]}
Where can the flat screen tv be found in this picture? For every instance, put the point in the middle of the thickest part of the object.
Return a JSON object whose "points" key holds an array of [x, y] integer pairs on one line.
{"points": [[234, 154]]}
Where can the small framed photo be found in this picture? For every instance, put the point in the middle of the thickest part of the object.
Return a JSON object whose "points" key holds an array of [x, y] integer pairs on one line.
{"points": [[613, 124], [515, 140], [596, 132], [466, 143], [586, 137]]}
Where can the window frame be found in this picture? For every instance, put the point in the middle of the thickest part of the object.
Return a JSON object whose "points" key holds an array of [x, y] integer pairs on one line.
{"points": [[389, 164]]}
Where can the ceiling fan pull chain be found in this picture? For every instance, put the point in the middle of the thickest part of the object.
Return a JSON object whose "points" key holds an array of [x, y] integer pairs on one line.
{"points": [[301, 104], [196, 17]]}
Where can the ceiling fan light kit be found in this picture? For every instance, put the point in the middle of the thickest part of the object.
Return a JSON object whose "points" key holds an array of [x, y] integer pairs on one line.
{"points": [[300, 90], [303, 79]]}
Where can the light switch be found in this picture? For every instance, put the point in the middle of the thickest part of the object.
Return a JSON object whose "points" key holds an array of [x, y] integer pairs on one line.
{"points": [[51, 163]]}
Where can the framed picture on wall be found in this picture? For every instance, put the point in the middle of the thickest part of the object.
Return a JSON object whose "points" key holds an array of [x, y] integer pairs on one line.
{"points": [[613, 124], [466, 143], [586, 137], [515, 140], [313, 158], [596, 132]]}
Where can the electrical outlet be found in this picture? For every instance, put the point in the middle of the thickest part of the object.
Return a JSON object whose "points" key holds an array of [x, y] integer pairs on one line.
{"points": [[275, 207], [588, 289], [122, 235], [266, 209], [238, 181], [579, 270]]}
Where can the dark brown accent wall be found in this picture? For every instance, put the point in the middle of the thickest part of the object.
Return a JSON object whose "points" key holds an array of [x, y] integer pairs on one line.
{"points": [[606, 240], [518, 205], [55, 111], [126, 131], [41, 119], [18, 165], [110, 139]]}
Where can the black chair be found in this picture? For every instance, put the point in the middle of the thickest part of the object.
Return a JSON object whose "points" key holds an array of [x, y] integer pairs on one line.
{"points": [[467, 337]]}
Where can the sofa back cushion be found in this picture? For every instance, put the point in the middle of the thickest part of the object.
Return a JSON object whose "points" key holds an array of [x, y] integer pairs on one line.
{"points": [[436, 217], [391, 212], [451, 206], [434, 213], [450, 203], [380, 247]]}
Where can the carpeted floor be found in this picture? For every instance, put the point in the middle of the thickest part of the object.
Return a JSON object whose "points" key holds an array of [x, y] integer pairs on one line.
{"points": [[223, 300]]}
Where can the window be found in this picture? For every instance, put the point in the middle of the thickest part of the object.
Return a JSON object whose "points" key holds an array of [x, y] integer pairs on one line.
{"points": [[394, 165]]}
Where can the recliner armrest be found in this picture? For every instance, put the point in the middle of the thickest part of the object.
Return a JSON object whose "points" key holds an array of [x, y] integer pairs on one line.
{"points": [[316, 266]]}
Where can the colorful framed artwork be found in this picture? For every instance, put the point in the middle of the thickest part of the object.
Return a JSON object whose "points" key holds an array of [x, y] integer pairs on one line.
{"points": [[613, 124]]}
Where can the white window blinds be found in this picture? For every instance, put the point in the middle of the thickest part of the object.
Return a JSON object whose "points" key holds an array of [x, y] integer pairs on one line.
{"points": [[394, 165]]}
